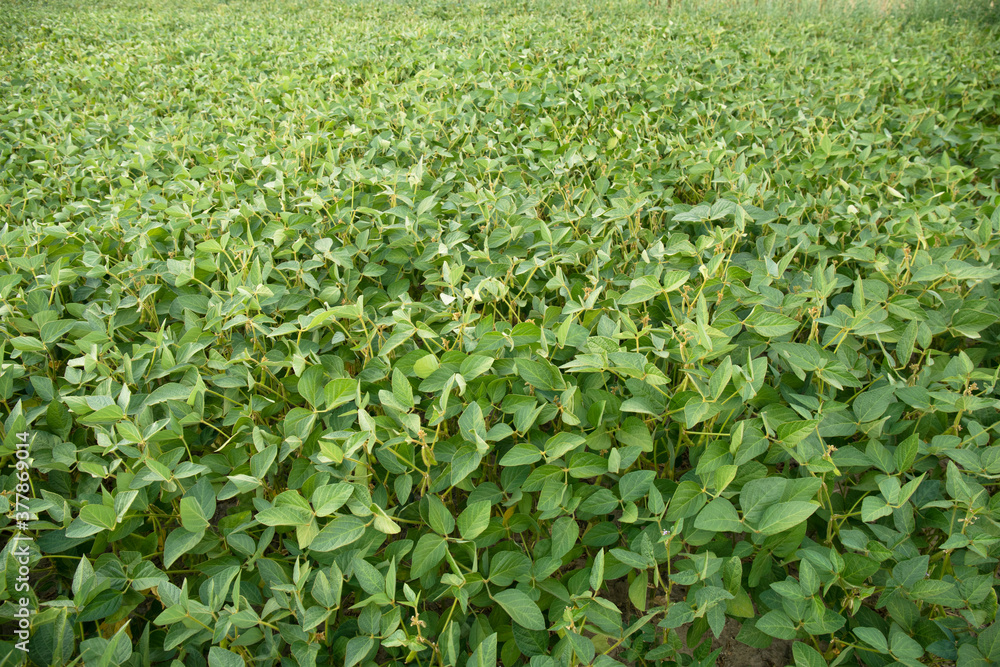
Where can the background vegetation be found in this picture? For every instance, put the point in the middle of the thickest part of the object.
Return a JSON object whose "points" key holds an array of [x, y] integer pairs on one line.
{"points": [[510, 331]]}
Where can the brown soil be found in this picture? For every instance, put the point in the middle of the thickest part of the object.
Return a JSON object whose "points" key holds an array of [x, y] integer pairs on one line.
{"points": [[734, 653], [738, 654]]}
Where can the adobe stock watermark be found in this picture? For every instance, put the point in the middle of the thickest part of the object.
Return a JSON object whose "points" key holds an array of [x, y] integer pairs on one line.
{"points": [[19, 548]]}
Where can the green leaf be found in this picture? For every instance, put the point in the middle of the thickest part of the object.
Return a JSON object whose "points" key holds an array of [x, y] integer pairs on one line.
{"points": [[903, 646], [356, 650], [464, 462], [485, 654], [807, 656], [99, 516], [540, 374], [439, 516], [872, 404], [634, 485], [310, 386], [873, 638], [741, 605], [368, 576], [674, 279], [340, 532], [284, 516], [220, 657], [777, 624], [793, 432], [583, 465], [383, 522], [906, 452], [639, 294], [910, 571], [720, 378], [565, 533], [989, 642], [935, 591], [52, 639], [520, 455], [178, 543], [520, 608], [805, 357], [169, 392], [427, 555], [597, 571], [105, 415], [686, 501], [719, 516], [328, 498], [338, 392], [475, 365], [508, 566], [401, 389], [260, 463], [474, 519], [103, 605], [781, 517], [193, 516], [873, 508], [426, 365], [26, 344], [637, 592], [560, 444], [770, 325]]}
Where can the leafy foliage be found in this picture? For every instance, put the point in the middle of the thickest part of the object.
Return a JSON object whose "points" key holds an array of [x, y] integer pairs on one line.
{"points": [[511, 332]]}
